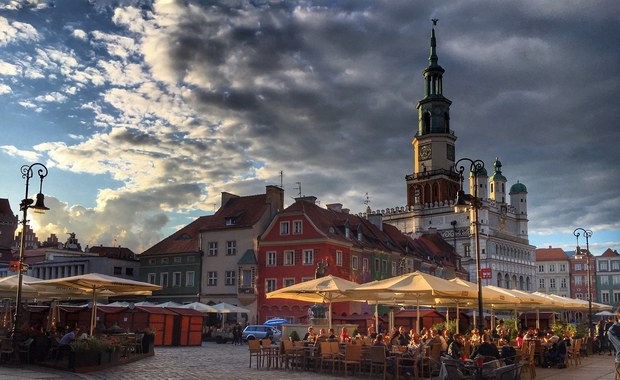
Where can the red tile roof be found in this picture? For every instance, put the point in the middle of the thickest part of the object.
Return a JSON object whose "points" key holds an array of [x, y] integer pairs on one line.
{"points": [[610, 253], [113, 252], [550, 254], [242, 212]]}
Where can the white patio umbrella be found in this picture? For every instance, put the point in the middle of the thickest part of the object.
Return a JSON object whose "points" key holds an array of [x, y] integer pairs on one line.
{"points": [[169, 304], [199, 306], [224, 307], [94, 284]]}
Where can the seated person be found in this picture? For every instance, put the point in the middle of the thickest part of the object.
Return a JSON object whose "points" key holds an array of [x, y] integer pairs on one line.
{"points": [[486, 349], [310, 334], [555, 355], [331, 335], [322, 337], [64, 345], [344, 335], [509, 354], [455, 349]]}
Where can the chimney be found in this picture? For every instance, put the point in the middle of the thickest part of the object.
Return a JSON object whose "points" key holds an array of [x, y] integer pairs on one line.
{"points": [[308, 198], [345, 210], [337, 207], [376, 220], [226, 197], [275, 199]]}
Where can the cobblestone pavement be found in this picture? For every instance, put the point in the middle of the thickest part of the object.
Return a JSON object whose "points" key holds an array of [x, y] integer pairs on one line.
{"points": [[225, 361]]}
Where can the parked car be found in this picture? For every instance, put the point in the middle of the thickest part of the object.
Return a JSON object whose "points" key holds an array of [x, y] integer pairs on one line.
{"points": [[260, 332]]}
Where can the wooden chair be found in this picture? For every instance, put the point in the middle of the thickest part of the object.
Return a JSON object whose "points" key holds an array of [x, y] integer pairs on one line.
{"points": [[24, 349], [378, 359], [6, 349], [352, 357], [326, 356], [269, 353], [256, 352], [529, 359], [467, 348], [573, 353], [431, 364], [407, 365], [139, 339]]}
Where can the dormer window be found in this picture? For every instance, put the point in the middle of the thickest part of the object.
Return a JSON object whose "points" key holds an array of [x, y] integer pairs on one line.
{"points": [[284, 228], [230, 221]]}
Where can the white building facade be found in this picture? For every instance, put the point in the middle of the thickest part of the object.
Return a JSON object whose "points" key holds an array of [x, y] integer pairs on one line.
{"points": [[433, 187]]}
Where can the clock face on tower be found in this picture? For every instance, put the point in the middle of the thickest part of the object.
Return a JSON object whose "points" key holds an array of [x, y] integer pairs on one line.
{"points": [[425, 152]]}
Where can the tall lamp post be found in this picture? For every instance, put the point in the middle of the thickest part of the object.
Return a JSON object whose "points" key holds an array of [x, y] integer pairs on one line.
{"points": [[38, 207], [586, 234], [465, 202]]}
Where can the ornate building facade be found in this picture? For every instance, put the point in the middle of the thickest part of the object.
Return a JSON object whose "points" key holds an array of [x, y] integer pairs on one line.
{"points": [[432, 190]]}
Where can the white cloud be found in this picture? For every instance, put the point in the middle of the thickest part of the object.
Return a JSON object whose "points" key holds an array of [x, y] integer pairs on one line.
{"points": [[15, 152], [52, 97], [80, 34], [5, 89], [9, 69], [12, 32]]}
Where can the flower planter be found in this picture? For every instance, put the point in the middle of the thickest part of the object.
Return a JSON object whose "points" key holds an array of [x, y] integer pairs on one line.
{"points": [[148, 343], [79, 359]]}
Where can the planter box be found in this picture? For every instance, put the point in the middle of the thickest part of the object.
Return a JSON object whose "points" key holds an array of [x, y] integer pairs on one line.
{"points": [[79, 359], [148, 344]]}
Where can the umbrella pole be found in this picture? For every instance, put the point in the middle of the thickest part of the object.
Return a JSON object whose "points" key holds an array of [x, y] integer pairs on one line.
{"points": [[377, 317], [538, 318], [457, 318], [330, 315], [417, 322], [475, 318], [492, 318], [93, 315]]}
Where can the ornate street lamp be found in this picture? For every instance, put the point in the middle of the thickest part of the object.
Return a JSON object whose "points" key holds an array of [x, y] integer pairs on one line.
{"points": [[578, 252], [38, 207], [465, 202]]}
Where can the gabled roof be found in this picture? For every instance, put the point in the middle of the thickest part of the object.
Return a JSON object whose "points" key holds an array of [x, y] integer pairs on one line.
{"points": [[333, 225], [5, 207], [185, 240], [238, 212], [248, 258], [550, 254], [610, 253]]}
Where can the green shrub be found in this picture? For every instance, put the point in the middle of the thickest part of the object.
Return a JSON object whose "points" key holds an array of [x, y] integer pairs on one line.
{"points": [[354, 333], [294, 337]]}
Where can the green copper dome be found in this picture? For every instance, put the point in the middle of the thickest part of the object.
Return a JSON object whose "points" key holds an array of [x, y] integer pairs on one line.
{"points": [[518, 188], [497, 175], [481, 173]]}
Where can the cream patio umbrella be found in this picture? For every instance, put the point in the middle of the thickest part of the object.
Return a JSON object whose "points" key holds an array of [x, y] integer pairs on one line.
{"points": [[8, 287], [199, 306], [320, 290], [224, 307], [528, 301], [412, 287], [96, 283]]}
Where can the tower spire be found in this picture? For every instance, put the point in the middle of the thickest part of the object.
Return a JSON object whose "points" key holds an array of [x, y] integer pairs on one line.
{"points": [[432, 59]]}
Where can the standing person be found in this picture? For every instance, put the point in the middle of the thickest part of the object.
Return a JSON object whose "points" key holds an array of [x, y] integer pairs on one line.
{"points": [[613, 335], [600, 336], [610, 322]]}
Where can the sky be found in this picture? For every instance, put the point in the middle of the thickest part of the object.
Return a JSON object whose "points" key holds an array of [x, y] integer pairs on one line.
{"points": [[144, 112]]}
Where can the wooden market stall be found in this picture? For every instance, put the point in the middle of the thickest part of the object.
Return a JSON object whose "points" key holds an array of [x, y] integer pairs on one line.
{"points": [[159, 319], [187, 327]]}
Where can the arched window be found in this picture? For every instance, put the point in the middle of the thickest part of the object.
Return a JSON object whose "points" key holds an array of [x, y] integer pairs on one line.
{"points": [[435, 192], [426, 123], [507, 281], [499, 280], [427, 194], [528, 284], [521, 283]]}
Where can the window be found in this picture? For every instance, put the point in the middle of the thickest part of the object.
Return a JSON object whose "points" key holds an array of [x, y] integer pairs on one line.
{"points": [[579, 296], [563, 284], [152, 278], [616, 279], [577, 267], [578, 280], [616, 297], [605, 297], [615, 265], [231, 278], [552, 283], [541, 269], [212, 248], [466, 250], [177, 259], [297, 229], [562, 267], [541, 283], [604, 280], [117, 270], [377, 265], [230, 221], [602, 265], [271, 259], [365, 264], [270, 285], [247, 278], [288, 282], [393, 268], [212, 278], [128, 271], [190, 259], [384, 266], [163, 279], [176, 279], [284, 228], [189, 278], [231, 248], [164, 260], [152, 261], [354, 262], [339, 258], [551, 267], [308, 257], [289, 257]]}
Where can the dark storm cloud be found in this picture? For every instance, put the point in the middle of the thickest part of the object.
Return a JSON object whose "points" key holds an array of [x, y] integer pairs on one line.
{"points": [[530, 84]]}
